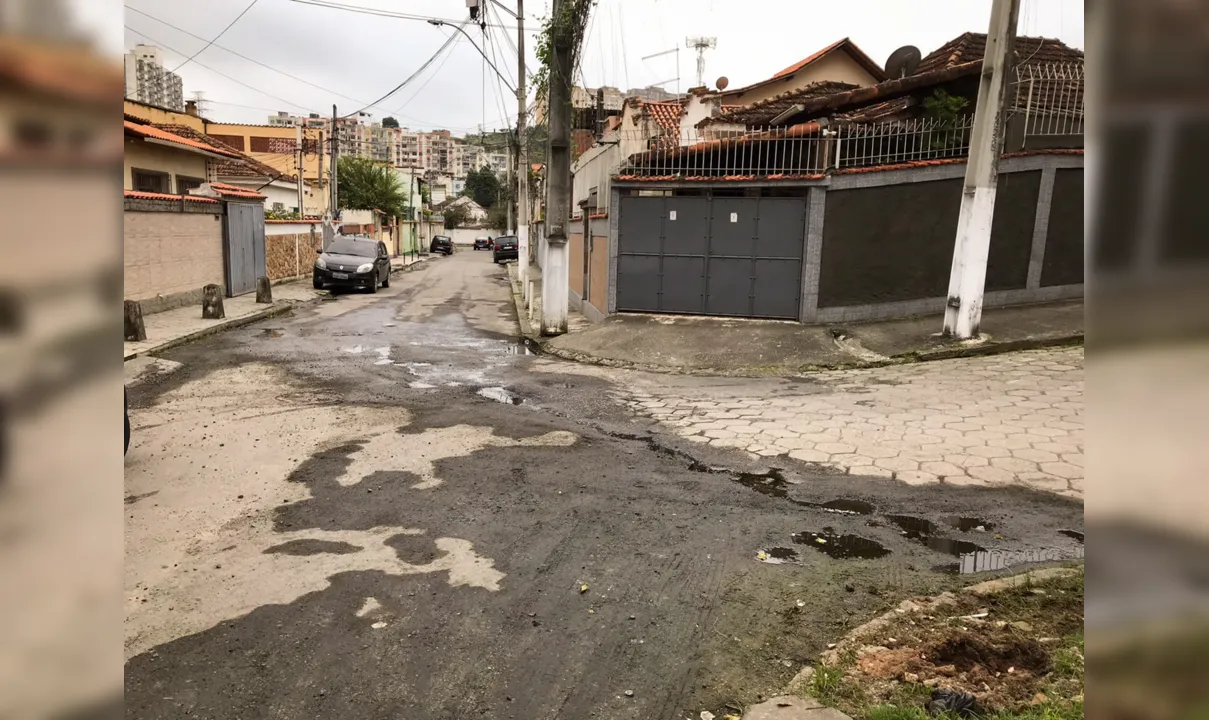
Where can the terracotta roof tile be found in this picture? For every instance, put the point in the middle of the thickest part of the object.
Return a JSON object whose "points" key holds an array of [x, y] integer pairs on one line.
{"points": [[137, 195], [666, 114], [151, 131], [763, 112], [845, 45], [972, 46], [235, 191]]}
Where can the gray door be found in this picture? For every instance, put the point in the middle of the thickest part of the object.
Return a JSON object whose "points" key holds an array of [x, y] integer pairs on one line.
{"points": [[243, 247], [735, 256]]}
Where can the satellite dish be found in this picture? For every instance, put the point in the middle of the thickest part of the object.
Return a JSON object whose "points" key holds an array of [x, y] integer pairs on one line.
{"points": [[903, 62], [722, 82]]}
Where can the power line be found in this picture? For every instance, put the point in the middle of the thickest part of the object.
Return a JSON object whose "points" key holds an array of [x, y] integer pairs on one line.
{"points": [[216, 37], [245, 57], [420, 89], [448, 41], [216, 72], [360, 9]]}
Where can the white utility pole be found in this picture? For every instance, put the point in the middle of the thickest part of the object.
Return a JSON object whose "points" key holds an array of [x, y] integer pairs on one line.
{"points": [[522, 170], [967, 278]]}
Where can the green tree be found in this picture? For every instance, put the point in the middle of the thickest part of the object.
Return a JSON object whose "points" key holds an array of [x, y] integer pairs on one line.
{"points": [[367, 185], [455, 216], [497, 217], [389, 122], [483, 187]]}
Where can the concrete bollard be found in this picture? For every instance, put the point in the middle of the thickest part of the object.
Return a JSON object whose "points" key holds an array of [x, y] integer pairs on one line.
{"points": [[264, 291], [212, 308], [133, 321]]}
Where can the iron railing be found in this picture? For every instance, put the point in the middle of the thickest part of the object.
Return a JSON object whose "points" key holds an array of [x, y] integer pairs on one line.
{"points": [[1049, 96], [1046, 100]]}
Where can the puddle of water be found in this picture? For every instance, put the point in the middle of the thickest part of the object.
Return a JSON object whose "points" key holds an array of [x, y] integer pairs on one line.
{"points": [[844, 506], [355, 349], [777, 555], [271, 333], [992, 560], [420, 386], [969, 524], [929, 534], [842, 547], [521, 347], [500, 395], [383, 361], [1073, 535], [771, 483]]}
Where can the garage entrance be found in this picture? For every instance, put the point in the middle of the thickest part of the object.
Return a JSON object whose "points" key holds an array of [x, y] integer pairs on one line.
{"points": [[711, 255]]}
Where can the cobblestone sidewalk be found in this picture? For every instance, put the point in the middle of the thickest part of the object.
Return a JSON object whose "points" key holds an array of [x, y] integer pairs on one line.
{"points": [[1005, 419]]}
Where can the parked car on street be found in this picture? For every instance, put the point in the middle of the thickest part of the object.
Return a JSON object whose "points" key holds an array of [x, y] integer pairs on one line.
{"points": [[505, 248], [351, 262], [441, 244], [482, 243]]}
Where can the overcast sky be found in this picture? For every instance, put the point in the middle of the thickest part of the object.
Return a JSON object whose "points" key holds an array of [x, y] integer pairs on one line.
{"points": [[356, 58]]}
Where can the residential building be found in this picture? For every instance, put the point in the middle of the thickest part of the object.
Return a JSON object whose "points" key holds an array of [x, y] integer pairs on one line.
{"points": [[497, 161], [147, 81], [841, 61], [476, 214], [285, 119]]}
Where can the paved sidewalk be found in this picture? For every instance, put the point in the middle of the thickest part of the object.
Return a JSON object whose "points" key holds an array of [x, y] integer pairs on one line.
{"points": [[171, 327], [725, 346], [1010, 419]]}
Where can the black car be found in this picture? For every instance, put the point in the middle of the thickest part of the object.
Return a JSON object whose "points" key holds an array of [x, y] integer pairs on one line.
{"points": [[482, 243], [441, 244], [352, 263], [504, 248]]}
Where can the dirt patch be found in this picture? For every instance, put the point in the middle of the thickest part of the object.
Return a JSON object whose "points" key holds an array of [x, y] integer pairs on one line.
{"points": [[1016, 650]]}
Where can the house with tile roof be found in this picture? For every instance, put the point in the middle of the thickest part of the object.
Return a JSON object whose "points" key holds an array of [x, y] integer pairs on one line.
{"points": [[841, 61]]}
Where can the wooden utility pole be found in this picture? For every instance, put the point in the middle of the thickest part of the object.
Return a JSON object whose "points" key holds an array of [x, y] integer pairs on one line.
{"points": [[558, 182], [522, 157], [321, 159], [967, 278], [329, 222], [335, 161]]}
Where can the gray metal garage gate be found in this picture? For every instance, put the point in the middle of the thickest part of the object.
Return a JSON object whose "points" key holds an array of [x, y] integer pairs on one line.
{"points": [[705, 255]]}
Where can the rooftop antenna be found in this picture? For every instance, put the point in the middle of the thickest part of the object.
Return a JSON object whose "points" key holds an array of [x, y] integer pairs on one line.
{"points": [[701, 44], [676, 79], [903, 62]]}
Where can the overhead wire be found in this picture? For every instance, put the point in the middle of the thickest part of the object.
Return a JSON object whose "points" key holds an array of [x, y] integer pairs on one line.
{"points": [[360, 9], [216, 37], [455, 39], [448, 41], [217, 72], [249, 59]]}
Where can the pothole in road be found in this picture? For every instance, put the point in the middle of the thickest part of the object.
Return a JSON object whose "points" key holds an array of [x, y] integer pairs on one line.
{"points": [[271, 333], [1073, 535], [842, 546]]}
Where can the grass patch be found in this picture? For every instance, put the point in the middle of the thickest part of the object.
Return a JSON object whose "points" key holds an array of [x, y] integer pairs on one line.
{"points": [[1019, 651]]}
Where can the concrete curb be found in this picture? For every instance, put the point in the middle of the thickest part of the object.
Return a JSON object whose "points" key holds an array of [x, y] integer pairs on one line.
{"points": [[272, 311], [944, 353], [518, 299]]}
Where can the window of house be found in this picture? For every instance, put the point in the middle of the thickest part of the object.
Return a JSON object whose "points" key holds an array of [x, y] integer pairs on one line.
{"points": [[32, 133], [185, 184], [284, 146], [278, 207], [150, 181]]}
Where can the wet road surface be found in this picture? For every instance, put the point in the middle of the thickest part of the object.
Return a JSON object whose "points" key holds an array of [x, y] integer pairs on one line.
{"points": [[384, 506]]}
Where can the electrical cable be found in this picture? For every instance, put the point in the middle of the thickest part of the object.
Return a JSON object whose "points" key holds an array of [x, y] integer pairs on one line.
{"points": [[216, 37], [360, 9], [216, 72], [448, 41]]}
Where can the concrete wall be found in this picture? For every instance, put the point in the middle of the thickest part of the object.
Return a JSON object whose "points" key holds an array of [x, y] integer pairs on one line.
{"points": [[879, 243], [148, 156], [169, 255], [290, 248], [598, 295]]}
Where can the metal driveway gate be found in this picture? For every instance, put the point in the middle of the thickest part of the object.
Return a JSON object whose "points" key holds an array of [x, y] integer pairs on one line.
{"points": [[243, 246], [737, 256]]}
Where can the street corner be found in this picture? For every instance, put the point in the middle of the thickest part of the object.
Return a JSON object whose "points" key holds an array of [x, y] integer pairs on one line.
{"points": [[1012, 419]]}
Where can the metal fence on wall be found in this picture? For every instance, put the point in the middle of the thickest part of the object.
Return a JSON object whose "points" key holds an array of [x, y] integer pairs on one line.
{"points": [[1050, 98], [1047, 97]]}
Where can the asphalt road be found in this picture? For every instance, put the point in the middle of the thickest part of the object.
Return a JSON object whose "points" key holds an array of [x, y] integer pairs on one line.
{"points": [[382, 506]]}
